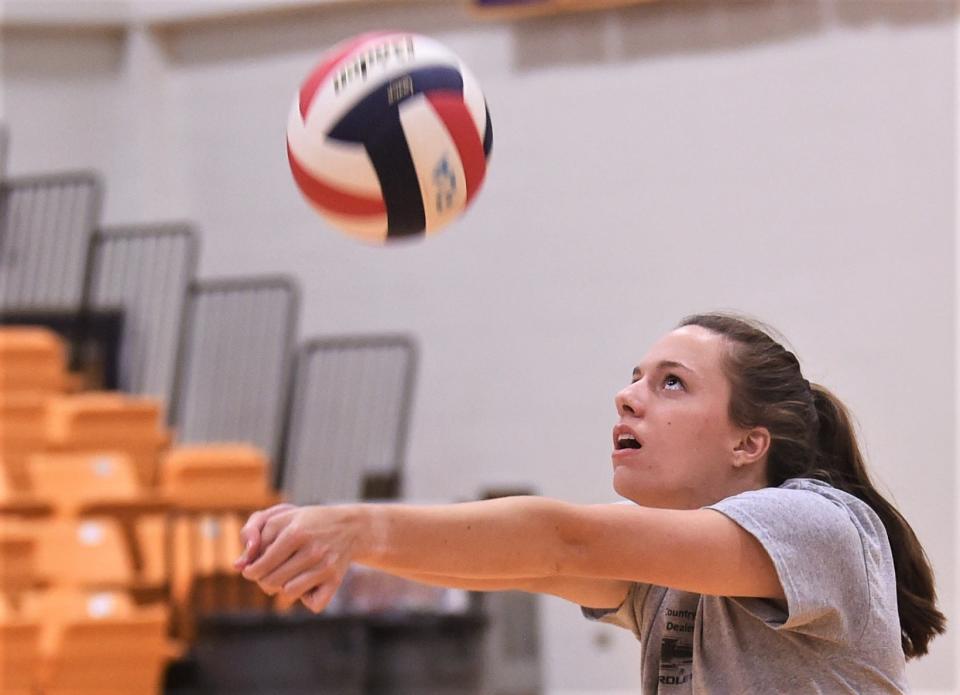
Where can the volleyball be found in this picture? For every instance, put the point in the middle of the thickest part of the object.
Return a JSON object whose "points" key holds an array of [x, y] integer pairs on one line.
{"points": [[389, 136]]}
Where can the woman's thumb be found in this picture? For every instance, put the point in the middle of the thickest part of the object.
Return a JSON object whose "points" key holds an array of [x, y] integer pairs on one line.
{"points": [[249, 537]]}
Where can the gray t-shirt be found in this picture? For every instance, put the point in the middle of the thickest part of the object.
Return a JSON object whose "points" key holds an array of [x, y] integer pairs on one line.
{"points": [[839, 631]]}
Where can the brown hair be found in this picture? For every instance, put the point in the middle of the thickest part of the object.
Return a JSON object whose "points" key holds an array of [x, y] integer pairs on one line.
{"points": [[812, 436]]}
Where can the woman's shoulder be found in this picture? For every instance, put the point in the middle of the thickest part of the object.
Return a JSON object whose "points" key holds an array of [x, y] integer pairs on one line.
{"points": [[813, 488], [811, 500], [808, 489]]}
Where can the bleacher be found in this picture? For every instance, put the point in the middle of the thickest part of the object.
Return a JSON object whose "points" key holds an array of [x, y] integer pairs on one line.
{"points": [[106, 527], [144, 414]]}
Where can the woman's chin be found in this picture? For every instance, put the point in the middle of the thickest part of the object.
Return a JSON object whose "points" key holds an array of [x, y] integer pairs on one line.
{"points": [[625, 485]]}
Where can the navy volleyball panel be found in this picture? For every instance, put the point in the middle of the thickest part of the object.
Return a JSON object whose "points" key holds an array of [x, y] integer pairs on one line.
{"points": [[487, 136], [383, 100], [390, 155]]}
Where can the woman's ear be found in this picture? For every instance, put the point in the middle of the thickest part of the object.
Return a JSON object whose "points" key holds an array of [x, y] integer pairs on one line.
{"points": [[752, 447]]}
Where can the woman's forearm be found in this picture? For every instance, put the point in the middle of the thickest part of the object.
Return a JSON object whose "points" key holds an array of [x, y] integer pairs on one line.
{"points": [[465, 583], [596, 593], [514, 537]]}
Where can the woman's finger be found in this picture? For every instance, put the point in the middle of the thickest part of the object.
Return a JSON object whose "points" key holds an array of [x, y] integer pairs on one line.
{"points": [[275, 525], [306, 582], [277, 551], [317, 599], [299, 564], [251, 529], [250, 534]]}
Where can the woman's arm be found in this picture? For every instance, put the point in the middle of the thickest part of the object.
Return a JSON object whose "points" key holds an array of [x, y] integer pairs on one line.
{"points": [[593, 593], [308, 549], [695, 550]]}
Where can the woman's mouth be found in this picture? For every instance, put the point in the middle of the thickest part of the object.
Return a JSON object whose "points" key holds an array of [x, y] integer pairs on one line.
{"points": [[625, 438]]}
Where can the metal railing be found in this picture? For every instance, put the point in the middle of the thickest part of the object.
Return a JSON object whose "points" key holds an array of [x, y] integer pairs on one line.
{"points": [[144, 271], [46, 223], [349, 418], [234, 364]]}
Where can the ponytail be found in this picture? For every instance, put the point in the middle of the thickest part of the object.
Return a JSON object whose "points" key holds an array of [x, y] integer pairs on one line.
{"points": [[840, 463]]}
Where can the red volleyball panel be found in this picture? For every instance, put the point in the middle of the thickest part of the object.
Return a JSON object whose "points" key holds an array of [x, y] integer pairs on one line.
{"points": [[313, 82], [452, 110], [333, 199]]}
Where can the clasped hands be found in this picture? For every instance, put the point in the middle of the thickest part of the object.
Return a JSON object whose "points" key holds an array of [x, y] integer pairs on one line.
{"points": [[301, 553]]}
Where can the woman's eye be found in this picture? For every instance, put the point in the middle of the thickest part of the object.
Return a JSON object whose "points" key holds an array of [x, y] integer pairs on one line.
{"points": [[671, 381]]}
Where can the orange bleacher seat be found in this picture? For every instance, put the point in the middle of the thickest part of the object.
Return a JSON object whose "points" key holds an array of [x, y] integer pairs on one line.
{"points": [[231, 546], [203, 578], [107, 421], [100, 643], [217, 543], [216, 477], [183, 563], [87, 418], [19, 651], [107, 485], [32, 359], [18, 555], [87, 552], [151, 538], [200, 550], [74, 481], [16, 502], [22, 433], [209, 538], [212, 488], [7, 491]]}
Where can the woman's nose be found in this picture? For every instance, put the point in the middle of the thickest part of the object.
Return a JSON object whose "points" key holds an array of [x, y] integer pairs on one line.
{"points": [[628, 400]]}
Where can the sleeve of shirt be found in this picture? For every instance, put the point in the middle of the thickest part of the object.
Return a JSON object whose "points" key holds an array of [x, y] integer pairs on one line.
{"points": [[819, 557], [627, 614]]}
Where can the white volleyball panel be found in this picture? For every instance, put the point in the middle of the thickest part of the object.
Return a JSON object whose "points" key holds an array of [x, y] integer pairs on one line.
{"points": [[385, 58], [342, 165], [436, 159]]}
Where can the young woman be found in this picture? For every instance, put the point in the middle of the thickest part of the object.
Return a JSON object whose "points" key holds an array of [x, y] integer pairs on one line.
{"points": [[754, 554]]}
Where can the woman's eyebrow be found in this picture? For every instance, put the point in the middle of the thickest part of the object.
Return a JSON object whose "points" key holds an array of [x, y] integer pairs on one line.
{"points": [[663, 364]]}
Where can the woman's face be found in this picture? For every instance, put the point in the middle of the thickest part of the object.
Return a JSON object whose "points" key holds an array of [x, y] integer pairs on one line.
{"points": [[677, 412]]}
